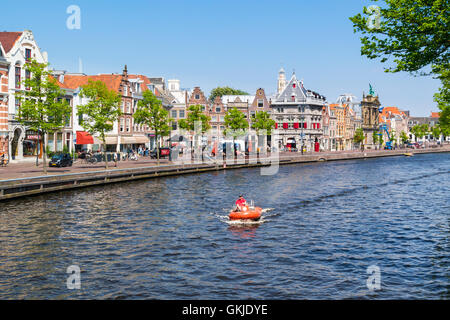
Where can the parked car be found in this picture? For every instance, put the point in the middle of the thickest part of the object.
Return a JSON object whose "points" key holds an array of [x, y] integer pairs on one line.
{"points": [[61, 160], [163, 152]]}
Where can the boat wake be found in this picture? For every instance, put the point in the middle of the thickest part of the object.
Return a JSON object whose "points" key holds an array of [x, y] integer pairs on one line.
{"points": [[263, 219]]}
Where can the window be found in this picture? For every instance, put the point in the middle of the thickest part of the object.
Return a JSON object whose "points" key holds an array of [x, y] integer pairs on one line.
{"points": [[174, 125], [18, 70], [125, 90], [218, 109], [27, 77], [27, 54], [17, 105], [181, 113], [128, 107], [260, 103], [174, 114], [197, 97], [122, 121], [128, 124]]}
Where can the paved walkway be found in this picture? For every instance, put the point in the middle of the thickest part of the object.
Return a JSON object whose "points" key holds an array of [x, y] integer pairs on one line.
{"points": [[29, 169]]}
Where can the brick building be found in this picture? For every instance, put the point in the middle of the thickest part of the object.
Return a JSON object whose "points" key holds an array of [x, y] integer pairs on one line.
{"points": [[4, 131]]}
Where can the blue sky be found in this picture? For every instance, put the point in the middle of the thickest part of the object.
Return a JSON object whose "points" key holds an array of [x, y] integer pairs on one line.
{"points": [[209, 43]]}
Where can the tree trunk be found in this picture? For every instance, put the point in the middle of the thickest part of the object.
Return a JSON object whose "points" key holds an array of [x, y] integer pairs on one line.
{"points": [[44, 156], [105, 155], [157, 149]]}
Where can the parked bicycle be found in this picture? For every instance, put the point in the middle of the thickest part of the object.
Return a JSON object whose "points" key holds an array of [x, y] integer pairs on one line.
{"points": [[90, 159]]}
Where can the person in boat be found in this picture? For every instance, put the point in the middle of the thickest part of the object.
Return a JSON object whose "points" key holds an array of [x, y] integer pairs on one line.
{"points": [[240, 203]]}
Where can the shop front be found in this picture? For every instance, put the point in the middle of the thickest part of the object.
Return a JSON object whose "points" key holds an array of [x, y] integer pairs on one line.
{"points": [[31, 145], [133, 143]]}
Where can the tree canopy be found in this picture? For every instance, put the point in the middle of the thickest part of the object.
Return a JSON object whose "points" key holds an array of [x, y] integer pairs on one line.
{"points": [[195, 114], [359, 135], [41, 107], [235, 123], [261, 121], [411, 36], [223, 91], [101, 110], [414, 33], [151, 112]]}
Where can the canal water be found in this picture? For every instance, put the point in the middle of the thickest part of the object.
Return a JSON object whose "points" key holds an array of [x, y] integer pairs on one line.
{"points": [[324, 225]]}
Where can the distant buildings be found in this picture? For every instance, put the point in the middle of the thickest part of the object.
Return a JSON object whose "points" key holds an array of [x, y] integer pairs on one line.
{"points": [[396, 122]]}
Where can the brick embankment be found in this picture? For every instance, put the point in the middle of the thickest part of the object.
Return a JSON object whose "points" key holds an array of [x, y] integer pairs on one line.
{"points": [[19, 180]]}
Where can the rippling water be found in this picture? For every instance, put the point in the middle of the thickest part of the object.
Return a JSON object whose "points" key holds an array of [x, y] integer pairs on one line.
{"points": [[167, 238]]}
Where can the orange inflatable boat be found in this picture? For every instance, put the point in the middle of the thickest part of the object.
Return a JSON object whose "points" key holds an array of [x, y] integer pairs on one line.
{"points": [[247, 213]]}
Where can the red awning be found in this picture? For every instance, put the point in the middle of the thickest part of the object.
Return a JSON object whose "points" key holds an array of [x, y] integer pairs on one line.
{"points": [[295, 125], [84, 137]]}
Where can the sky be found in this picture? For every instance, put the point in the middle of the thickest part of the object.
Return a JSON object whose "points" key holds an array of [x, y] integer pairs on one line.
{"points": [[210, 43]]}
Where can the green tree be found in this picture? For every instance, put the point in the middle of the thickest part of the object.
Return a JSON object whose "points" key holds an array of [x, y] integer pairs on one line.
{"points": [[235, 123], [261, 121], [195, 114], [412, 36], [41, 107], [100, 112], [404, 137], [436, 132], [442, 99], [359, 136], [151, 112], [375, 137], [420, 130], [223, 91], [393, 137]]}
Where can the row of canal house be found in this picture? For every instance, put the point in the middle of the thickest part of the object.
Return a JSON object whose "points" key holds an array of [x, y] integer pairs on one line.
{"points": [[126, 134], [302, 116]]}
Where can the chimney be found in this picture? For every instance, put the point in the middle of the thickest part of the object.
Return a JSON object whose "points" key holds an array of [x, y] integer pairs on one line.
{"points": [[125, 72]]}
